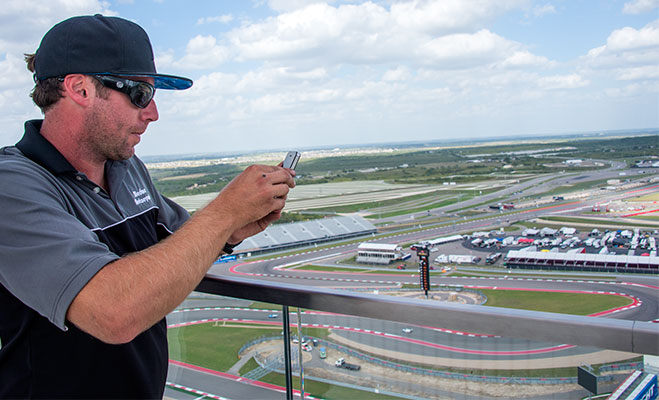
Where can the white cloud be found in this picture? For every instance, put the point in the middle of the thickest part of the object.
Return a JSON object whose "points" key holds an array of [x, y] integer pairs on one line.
{"points": [[465, 50], [14, 73], [545, 9], [344, 71], [291, 5], [444, 34], [571, 81], [627, 48], [523, 59], [399, 74], [640, 6], [632, 39], [23, 23], [223, 19], [203, 52], [447, 15], [646, 72]]}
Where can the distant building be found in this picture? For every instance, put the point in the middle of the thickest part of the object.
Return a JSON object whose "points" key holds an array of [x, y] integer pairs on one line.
{"points": [[646, 164], [581, 262], [573, 162], [530, 232], [379, 253], [548, 232]]}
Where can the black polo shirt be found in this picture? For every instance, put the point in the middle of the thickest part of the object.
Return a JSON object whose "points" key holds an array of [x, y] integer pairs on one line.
{"points": [[58, 229]]}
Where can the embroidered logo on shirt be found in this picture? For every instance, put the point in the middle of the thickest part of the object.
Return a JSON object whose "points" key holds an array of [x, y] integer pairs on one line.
{"points": [[141, 196]]}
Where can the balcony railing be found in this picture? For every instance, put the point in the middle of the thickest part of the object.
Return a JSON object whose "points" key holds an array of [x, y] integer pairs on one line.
{"points": [[606, 333], [625, 336]]}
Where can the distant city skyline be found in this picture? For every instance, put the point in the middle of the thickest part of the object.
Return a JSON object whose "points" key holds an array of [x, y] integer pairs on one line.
{"points": [[278, 74]]}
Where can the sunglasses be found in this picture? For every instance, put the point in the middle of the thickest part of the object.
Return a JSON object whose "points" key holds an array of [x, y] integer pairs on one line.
{"points": [[140, 93]]}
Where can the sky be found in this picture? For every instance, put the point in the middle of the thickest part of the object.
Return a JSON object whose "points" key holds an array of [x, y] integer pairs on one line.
{"points": [[289, 74]]}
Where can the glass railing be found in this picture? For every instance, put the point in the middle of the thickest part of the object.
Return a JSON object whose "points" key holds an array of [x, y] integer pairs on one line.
{"points": [[227, 341]]}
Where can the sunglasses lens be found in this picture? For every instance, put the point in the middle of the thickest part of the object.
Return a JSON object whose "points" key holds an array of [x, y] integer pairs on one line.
{"points": [[141, 95]]}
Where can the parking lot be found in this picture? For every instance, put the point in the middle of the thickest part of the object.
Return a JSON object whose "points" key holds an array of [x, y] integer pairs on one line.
{"points": [[483, 244]]}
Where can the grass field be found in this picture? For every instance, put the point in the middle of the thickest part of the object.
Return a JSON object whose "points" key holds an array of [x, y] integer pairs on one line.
{"points": [[647, 197], [647, 217], [407, 271], [209, 346], [324, 390], [564, 303]]}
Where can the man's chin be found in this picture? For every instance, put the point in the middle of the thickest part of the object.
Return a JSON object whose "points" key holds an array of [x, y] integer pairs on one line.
{"points": [[123, 155]]}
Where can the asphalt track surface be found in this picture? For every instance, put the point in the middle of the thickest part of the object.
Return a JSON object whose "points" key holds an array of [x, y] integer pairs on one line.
{"points": [[423, 341]]}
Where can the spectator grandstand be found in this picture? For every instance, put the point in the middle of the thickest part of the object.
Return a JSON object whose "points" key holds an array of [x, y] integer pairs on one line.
{"points": [[296, 234]]}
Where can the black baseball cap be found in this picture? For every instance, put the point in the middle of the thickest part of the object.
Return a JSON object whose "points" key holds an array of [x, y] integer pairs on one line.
{"points": [[100, 45]]}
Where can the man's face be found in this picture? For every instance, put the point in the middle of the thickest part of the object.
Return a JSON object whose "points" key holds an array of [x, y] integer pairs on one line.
{"points": [[114, 125]]}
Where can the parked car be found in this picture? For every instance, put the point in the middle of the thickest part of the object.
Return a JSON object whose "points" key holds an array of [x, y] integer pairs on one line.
{"points": [[322, 352]]}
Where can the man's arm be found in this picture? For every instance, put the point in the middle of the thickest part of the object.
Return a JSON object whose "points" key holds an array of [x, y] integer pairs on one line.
{"points": [[134, 292]]}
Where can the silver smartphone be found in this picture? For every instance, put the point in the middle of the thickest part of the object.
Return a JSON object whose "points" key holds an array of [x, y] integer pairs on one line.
{"points": [[292, 157]]}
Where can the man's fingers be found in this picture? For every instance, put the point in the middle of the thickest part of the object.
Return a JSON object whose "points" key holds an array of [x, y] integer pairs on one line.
{"points": [[281, 175]]}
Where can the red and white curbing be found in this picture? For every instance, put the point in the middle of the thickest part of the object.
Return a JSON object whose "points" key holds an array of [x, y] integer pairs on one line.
{"points": [[195, 391]]}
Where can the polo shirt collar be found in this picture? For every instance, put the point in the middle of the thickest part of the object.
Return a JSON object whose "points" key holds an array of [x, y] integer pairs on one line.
{"points": [[38, 149]]}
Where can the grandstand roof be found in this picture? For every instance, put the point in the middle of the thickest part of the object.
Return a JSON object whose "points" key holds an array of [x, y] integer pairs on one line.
{"points": [[608, 258], [285, 235], [378, 246]]}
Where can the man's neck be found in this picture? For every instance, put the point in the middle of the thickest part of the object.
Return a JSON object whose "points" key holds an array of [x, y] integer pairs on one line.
{"points": [[65, 139]]}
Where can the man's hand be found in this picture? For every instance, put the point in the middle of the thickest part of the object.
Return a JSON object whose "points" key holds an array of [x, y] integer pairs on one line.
{"points": [[254, 199]]}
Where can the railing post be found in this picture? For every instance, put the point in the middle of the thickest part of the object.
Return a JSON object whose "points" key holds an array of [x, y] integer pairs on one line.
{"points": [[287, 352], [299, 351]]}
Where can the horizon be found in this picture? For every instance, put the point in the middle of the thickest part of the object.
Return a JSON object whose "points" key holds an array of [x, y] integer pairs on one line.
{"points": [[448, 143]]}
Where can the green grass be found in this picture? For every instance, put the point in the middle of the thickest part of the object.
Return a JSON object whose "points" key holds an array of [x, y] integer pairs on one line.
{"points": [[332, 269], [564, 303], [415, 209], [249, 365], [407, 271], [209, 346], [646, 217], [265, 306], [216, 347], [350, 208], [584, 185], [647, 197], [324, 390]]}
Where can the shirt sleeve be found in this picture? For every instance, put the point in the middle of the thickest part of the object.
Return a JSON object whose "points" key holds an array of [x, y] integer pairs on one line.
{"points": [[48, 255]]}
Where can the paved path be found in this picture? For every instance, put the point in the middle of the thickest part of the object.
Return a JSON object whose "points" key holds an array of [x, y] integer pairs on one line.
{"points": [[234, 370]]}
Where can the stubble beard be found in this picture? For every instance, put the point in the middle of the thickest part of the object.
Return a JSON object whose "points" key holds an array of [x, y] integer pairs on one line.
{"points": [[106, 137]]}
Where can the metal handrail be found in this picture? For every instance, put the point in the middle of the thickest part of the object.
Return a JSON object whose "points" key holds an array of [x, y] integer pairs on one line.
{"points": [[605, 333]]}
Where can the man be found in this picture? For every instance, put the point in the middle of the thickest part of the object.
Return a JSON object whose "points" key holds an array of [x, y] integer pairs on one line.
{"points": [[90, 265]]}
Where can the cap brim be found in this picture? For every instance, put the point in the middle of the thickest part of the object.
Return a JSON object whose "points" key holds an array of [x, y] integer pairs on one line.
{"points": [[169, 82]]}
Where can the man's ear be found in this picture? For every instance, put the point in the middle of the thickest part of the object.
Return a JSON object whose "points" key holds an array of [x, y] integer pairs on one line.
{"points": [[79, 88]]}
